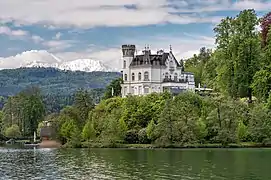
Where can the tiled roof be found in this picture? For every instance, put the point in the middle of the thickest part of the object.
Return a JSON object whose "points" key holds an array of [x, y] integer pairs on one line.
{"points": [[151, 59]]}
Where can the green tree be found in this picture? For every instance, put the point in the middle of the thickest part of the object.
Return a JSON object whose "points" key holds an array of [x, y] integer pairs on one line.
{"points": [[242, 132], [88, 132], [197, 64], [34, 109], [68, 128], [114, 128], [262, 78], [151, 131], [84, 104], [260, 124], [25, 110], [75, 140], [13, 131], [238, 53], [187, 109], [113, 89], [166, 124], [224, 56], [122, 129], [201, 130], [224, 120]]}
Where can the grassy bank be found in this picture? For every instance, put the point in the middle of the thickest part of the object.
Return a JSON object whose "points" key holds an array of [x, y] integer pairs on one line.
{"points": [[177, 146]]}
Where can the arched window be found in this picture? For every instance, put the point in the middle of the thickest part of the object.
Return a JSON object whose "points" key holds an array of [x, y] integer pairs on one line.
{"points": [[139, 76], [125, 77], [133, 76], [124, 64], [175, 77], [166, 75], [146, 76]]}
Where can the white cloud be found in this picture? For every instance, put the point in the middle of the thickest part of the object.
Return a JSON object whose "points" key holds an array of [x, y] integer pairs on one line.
{"points": [[12, 33], [26, 58], [37, 39], [184, 46], [252, 4], [53, 45], [58, 45], [86, 13], [58, 35]]}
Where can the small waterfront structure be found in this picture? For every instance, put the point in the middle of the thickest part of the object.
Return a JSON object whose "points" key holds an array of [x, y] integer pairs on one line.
{"points": [[46, 131], [147, 73], [47, 134]]}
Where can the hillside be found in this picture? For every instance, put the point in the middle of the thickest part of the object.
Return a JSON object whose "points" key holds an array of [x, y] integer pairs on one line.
{"points": [[57, 86], [52, 81]]}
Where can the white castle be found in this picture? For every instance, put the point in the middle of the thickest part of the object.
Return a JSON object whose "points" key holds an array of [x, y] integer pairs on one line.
{"points": [[148, 73]]}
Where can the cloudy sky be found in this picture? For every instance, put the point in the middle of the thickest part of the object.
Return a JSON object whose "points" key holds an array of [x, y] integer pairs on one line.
{"points": [[97, 28]]}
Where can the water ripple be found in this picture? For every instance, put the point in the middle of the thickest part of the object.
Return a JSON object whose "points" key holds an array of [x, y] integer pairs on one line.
{"points": [[58, 164]]}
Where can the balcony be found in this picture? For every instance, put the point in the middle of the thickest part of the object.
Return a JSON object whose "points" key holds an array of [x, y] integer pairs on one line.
{"points": [[175, 80]]}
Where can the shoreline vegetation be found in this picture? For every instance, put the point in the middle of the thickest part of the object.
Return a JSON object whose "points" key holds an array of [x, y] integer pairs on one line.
{"points": [[173, 146], [236, 114]]}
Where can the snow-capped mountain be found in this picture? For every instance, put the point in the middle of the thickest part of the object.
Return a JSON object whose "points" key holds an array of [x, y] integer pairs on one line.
{"points": [[42, 58], [87, 65]]}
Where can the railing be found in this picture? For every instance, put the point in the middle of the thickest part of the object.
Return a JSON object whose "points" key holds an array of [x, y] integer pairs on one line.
{"points": [[175, 80]]}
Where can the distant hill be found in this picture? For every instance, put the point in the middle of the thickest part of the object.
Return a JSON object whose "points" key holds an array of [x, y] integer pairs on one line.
{"points": [[51, 80], [57, 86]]}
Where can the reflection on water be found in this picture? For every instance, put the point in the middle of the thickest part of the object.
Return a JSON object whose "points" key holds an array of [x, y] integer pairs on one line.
{"points": [[134, 164]]}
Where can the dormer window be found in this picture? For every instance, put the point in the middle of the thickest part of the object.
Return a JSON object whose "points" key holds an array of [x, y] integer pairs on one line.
{"points": [[171, 66]]}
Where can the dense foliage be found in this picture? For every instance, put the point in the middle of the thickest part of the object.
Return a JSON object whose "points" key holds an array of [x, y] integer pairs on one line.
{"points": [[265, 25], [240, 66], [239, 69], [22, 113], [57, 86], [160, 119]]}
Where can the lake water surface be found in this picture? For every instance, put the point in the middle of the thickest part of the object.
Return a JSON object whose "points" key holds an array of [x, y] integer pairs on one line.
{"points": [[205, 164]]}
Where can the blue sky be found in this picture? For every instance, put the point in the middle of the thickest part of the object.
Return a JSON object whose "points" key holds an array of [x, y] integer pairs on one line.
{"points": [[96, 29]]}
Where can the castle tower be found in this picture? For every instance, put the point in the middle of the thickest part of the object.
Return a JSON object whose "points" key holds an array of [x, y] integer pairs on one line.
{"points": [[128, 53]]}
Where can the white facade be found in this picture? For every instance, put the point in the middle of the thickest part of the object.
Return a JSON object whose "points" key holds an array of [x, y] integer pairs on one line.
{"points": [[148, 73]]}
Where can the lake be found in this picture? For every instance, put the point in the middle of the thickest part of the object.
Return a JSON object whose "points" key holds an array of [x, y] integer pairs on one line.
{"points": [[84, 164]]}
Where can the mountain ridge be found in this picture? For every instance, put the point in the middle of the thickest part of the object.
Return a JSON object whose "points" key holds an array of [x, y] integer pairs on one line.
{"points": [[42, 58]]}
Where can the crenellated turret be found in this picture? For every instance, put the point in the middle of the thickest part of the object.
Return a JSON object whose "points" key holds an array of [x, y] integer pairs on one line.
{"points": [[128, 50]]}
